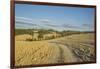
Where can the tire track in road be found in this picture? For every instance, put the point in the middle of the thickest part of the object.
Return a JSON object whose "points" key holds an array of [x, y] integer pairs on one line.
{"points": [[61, 57], [65, 54]]}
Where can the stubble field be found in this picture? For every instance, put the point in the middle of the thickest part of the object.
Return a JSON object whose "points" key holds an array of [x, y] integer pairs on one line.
{"points": [[68, 49]]}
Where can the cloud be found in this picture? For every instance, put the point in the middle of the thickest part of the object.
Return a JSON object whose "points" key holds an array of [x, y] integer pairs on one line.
{"points": [[45, 20], [23, 20], [48, 22], [70, 26], [86, 25], [52, 25]]}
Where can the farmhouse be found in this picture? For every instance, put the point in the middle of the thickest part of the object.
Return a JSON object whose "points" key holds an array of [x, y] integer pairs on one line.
{"points": [[38, 36], [35, 35]]}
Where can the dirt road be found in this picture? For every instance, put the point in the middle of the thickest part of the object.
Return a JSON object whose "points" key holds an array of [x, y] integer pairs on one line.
{"points": [[65, 54]]}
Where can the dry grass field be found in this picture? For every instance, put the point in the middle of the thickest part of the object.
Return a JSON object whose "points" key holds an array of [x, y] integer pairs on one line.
{"points": [[67, 49]]}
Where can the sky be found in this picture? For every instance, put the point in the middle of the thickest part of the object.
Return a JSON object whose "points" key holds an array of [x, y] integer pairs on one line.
{"points": [[54, 17]]}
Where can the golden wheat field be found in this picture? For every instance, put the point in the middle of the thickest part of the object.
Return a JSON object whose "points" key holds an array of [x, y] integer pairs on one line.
{"points": [[68, 49]]}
